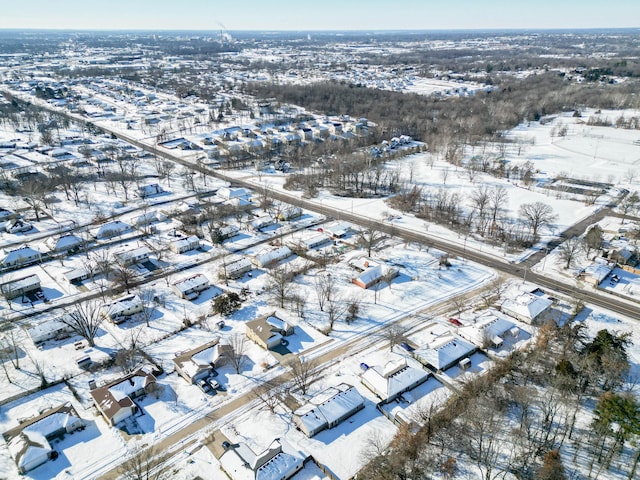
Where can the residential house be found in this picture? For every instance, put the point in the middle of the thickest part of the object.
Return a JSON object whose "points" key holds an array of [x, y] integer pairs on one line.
{"points": [[262, 222], [21, 256], [50, 329], [266, 258], [115, 400], [527, 307], [236, 269], [489, 330], [371, 272], [20, 286], [328, 409], [289, 213], [190, 287], [199, 362], [280, 461], [444, 352], [393, 379], [315, 241], [111, 229], [597, 271], [150, 190], [227, 193], [65, 243], [268, 330], [337, 229], [120, 310], [136, 255], [184, 244], [77, 275], [29, 442]]}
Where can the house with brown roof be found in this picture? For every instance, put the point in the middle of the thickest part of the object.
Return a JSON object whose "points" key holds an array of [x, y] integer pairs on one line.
{"points": [[200, 361], [115, 400], [268, 330]]}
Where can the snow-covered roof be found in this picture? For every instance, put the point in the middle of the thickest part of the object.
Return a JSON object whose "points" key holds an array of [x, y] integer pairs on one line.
{"points": [[123, 304], [20, 284], [488, 326], [111, 398], [186, 241], [129, 255], [111, 229], [239, 264], [444, 351], [279, 461], [189, 283], [527, 305], [65, 242], [393, 378], [328, 407], [599, 270], [20, 255], [266, 257]]}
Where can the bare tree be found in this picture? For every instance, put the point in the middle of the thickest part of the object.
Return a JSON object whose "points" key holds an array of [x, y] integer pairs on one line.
{"points": [[569, 250], [236, 355], [146, 296], [537, 215], [303, 372], [268, 393], [142, 464], [34, 194], [629, 205], [280, 284], [84, 319], [10, 348], [395, 334], [124, 276], [498, 198], [444, 174], [369, 238]]}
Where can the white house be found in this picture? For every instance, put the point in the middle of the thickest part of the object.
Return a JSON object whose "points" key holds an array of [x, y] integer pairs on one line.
{"points": [[64, 243], [236, 268], [150, 190], [135, 255], [227, 193], [316, 240], [265, 258], [184, 244], [393, 379], [120, 310], [328, 409], [115, 400], [20, 286], [337, 229], [371, 271], [280, 461], [29, 442], [21, 256], [527, 307], [444, 351], [111, 229], [488, 330], [49, 329], [190, 287]]}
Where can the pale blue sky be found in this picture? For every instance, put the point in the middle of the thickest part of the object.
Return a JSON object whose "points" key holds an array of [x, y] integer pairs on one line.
{"points": [[318, 14]]}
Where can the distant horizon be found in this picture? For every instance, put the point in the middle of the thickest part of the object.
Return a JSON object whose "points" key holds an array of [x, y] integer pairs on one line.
{"points": [[328, 16]]}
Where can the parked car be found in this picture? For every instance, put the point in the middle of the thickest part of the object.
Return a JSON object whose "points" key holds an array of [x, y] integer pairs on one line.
{"points": [[456, 322], [203, 385], [213, 383]]}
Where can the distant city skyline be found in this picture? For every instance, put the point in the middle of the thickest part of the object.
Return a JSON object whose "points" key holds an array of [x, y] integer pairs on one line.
{"points": [[292, 15]]}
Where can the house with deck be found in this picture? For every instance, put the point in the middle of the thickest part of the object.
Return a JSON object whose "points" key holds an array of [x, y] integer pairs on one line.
{"points": [[115, 402], [268, 330], [199, 362]]}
